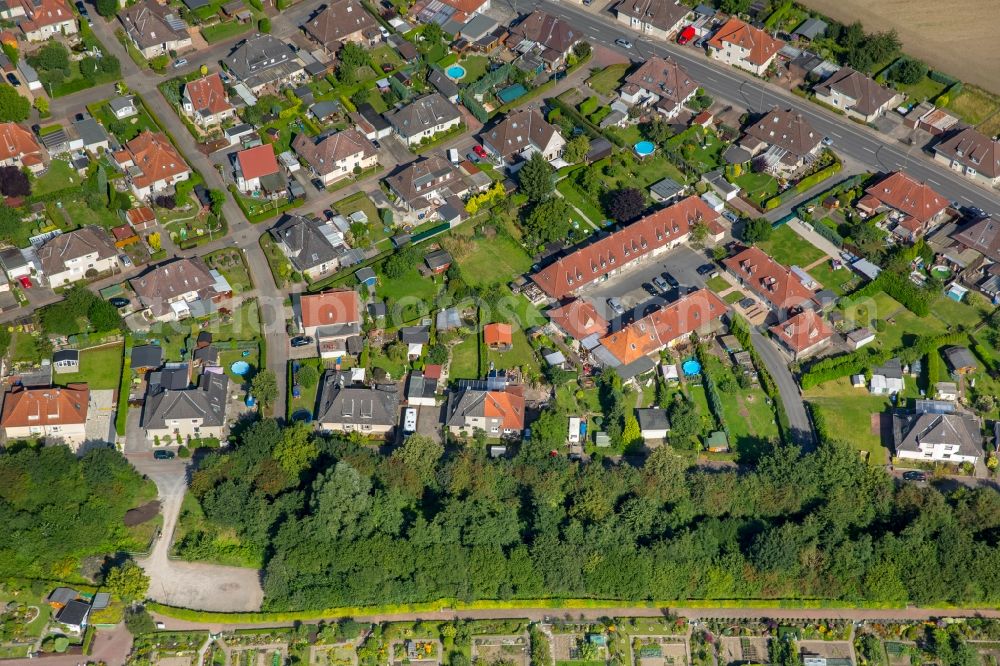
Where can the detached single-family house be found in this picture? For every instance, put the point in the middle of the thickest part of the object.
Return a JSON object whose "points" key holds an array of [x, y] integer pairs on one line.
{"points": [[123, 107], [887, 379], [179, 289], [256, 170], [657, 18], [741, 45], [332, 157], [57, 414], [151, 164], [191, 413], [499, 413], [804, 334], [205, 102], [499, 336], [856, 94], [914, 206], [659, 83], [346, 407], [423, 186], [640, 241], [973, 154], [521, 134], [74, 615], [20, 148], [423, 118], [653, 424], [931, 436], [781, 287], [552, 37], [77, 255], [41, 20], [92, 134], [415, 337], [154, 29], [311, 245], [263, 61], [343, 21], [783, 138], [333, 318]]}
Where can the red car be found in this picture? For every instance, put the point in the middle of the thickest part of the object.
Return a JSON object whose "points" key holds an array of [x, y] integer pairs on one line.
{"points": [[479, 150], [686, 35], [25, 281]]}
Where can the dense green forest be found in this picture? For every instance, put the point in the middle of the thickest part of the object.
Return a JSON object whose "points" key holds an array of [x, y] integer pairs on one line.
{"points": [[342, 525], [57, 510]]}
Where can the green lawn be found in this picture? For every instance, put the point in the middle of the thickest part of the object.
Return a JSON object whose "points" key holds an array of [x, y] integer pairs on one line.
{"points": [[475, 66], [758, 186], [700, 147], [974, 105], [59, 176], [846, 412], [749, 418], [71, 213], [521, 355], [568, 189], [100, 368], [223, 31], [419, 292], [608, 79], [495, 260], [307, 396], [127, 129], [954, 313], [242, 324], [733, 297], [229, 356], [788, 248], [380, 360], [839, 281], [924, 89], [465, 359], [385, 54], [696, 393], [717, 284], [230, 263]]}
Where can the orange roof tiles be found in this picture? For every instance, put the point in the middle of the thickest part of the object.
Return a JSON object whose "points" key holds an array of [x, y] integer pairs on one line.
{"points": [[17, 142], [579, 319], [772, 281], [658, 329], [330, 308], [507, 405], [141, 215], [803, 331], [761, 46], [23, 407], [208, 95], [594, 261], [156, 157], [498, 334], [906, 195], [257, 161]]}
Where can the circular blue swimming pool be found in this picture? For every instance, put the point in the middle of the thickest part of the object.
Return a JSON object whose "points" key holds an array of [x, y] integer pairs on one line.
{"points": [[644, 148], [240, 368], [455, 72], [691, 367]]}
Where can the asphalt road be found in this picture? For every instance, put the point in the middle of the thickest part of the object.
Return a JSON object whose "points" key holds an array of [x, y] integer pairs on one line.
{"points": [[722, 81], [795, 408]]}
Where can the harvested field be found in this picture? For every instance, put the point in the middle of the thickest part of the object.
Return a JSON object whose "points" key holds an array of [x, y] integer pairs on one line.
{"points": [[141, 514], [955, 37]]}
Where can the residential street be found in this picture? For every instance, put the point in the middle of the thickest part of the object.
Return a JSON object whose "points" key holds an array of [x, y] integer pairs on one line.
{"points": [[795, 408]]}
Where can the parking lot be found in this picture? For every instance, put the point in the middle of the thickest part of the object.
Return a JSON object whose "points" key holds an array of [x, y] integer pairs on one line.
{"points": [[682, 263]]}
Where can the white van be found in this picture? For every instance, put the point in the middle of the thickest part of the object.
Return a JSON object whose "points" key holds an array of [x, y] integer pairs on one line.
{"points": [[410, 420], [453, 156]]}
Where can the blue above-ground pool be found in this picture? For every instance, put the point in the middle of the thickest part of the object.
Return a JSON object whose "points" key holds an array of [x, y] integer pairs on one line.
{"points": [[644, 148], [691, 367], [455, 72], [509, 94], [240, 368]]}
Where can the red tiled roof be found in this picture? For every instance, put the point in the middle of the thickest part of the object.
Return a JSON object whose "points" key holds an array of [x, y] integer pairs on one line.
{"points": [[122, 232], [657, 330], [330, 308], [153, 153], [467, 6], [24, 407], [761, 46], [257, 161], [803, 331], [44, 13], [774, 282], [141, 215], [432, 371], [600, 258], [207, 94], [906, 195], [498, 334], [507, 405], [15, 141], [579, 319]]}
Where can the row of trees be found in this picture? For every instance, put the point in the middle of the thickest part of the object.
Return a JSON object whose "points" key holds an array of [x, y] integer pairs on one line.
{"points": [[342, 525]]}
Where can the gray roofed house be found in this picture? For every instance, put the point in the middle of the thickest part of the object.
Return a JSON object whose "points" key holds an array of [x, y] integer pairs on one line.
{"points": [[92, 134], [810, 29], [424, 117], [310, 244], [322, 111], [189, 412], [935, 437], [653, 423], [415, 335], [659, 18], [62, 595], [786, 136], [961, 360], [336, 155], [973, 153], [76, 255], [666, 190], [342, 21], [554, 36], [858, 95], [422, 183], [421, 390], [146, 356], [155, 29], [443, 84], [14, 263], [178, 288], [343, 407], [123, 107], [74, 614], [477, 27], [261, 60], [521, 133]]}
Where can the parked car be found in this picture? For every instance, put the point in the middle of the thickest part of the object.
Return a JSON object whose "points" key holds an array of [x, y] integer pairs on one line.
{"points": [[119, 302], [624, 43], [661, 283], [650, 289], [914, 476], [180, 62], [301, 341], [479, 150], [13, 79], [25, 281], [163, 455], [827, 141], [616, 305], [671, 280], [126, 261], [473, 157], [705, 269]]}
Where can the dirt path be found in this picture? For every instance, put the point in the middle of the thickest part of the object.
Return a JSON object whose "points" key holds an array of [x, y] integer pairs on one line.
{"points": [[946, 35]]}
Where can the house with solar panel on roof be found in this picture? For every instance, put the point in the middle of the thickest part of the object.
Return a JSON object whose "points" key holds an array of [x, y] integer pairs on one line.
{"points": [[154, 29]]}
